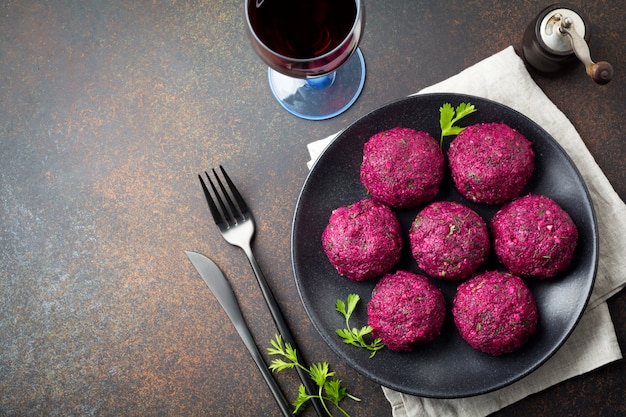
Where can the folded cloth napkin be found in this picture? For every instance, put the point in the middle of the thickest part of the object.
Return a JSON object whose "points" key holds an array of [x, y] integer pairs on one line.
{"points": [[503, 78]]}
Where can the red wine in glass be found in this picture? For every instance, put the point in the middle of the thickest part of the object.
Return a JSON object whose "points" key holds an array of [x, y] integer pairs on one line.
{"points": [[310, 48]]}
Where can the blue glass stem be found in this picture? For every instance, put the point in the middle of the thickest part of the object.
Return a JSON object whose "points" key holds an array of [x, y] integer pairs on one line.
{"points": [[322, 82], [321, 97]]}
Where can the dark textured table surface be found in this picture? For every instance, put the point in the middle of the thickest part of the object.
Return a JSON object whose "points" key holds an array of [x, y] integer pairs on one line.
{"points": [[109, 110]]}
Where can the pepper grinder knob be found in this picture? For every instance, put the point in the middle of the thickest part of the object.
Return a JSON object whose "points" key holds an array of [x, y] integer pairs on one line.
{"points": [[558, 36]]}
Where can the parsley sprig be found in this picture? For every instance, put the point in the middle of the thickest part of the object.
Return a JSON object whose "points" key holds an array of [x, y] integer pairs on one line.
{"points": [[449, 116], [352, 335], [330, 388]]}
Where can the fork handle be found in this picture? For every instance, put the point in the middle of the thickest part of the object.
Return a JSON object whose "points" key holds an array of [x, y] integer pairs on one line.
{"points": [[283, 328]]}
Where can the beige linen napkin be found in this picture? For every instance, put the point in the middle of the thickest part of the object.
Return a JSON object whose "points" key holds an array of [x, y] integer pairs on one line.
{"points": [[503, 78]]}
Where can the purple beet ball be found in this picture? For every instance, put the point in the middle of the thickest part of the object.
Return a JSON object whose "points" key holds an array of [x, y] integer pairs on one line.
{"points": [[495, 312], [362, 240], [534, 237], [402, 167], [490, 162], [406, 309], [449, 240]]}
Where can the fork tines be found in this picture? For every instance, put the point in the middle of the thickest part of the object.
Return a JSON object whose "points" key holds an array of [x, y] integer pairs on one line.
{"points": [[230, 206]]}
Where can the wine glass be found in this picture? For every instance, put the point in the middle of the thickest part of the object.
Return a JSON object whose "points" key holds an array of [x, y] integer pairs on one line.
{"points": [[316, 70]]}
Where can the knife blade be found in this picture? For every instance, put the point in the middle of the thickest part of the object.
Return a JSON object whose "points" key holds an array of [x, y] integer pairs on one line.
{"points": [[221, 289]]}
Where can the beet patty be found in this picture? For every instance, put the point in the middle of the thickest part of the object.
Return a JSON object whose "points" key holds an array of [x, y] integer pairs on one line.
{"points": [[495, 312], [406, 309], [362, 240], [490, 162], [402, 167], [449, 240], [534, 237]]}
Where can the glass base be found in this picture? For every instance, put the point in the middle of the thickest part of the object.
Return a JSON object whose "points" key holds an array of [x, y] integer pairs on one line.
{"points": [[324, 97]]}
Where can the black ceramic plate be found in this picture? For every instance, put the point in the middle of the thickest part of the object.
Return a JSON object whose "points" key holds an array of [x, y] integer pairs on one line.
{"points": [[446, 367]]}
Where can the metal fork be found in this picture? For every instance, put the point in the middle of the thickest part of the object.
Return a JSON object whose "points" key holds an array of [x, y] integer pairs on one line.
{"points": [[234, 219]]}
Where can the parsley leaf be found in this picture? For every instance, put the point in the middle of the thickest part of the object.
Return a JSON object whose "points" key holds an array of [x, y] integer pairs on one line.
{"points": [[319, 373], [330, 389], [300, 402], [352, 335], [449, 116]]}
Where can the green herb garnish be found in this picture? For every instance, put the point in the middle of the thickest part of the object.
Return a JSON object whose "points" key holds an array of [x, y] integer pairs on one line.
{"points": [[352, 335], [449, 116], [330, 388]]}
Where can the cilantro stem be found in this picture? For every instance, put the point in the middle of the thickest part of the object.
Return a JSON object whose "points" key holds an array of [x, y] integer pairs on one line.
{"points": [[321, 397], [343, 411]]}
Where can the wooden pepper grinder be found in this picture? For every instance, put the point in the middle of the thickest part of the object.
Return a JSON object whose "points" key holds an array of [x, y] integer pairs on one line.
{"points": [[558, 36]]}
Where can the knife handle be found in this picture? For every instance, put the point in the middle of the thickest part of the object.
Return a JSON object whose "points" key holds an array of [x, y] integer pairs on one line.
{"points": [[248, 340], [283, 329], [244, 332]]}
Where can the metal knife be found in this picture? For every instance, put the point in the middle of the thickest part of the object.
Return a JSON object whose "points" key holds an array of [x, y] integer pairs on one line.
{"points": [[221, 289]]}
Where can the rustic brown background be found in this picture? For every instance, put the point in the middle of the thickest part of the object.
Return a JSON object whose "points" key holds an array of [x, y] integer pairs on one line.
{"points": [[109, 109]]}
